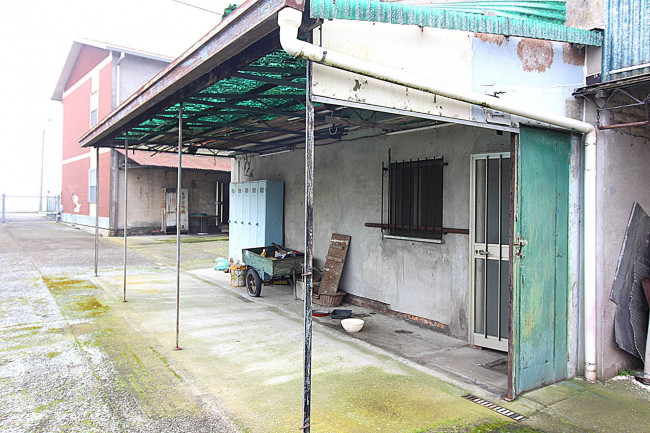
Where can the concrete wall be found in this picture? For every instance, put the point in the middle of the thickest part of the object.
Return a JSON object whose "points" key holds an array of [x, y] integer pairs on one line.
{"points": [[146, 200], [485, 63], [528, 70], [423, 279], [133, 73], [623, 178], [584, 14]]}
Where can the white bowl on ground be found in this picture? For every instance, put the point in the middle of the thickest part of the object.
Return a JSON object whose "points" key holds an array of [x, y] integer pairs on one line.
{"points": [[352, 325]]}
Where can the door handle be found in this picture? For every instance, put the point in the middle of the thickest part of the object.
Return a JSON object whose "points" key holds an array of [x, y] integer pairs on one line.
{"points": [[483, 253], [519, 244]]}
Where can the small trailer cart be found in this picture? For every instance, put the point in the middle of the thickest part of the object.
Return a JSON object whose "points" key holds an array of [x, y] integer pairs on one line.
{"points": [[267, 268]]}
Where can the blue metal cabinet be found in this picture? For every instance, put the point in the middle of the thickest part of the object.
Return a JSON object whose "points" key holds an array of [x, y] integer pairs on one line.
{"points": [[246, 214], [254, 238], [257, 215]]}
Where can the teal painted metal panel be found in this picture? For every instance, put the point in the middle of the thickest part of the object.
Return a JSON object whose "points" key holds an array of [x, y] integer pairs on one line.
{"points": [[511, 21], [538, 346], [627, 38], [542, 10]]}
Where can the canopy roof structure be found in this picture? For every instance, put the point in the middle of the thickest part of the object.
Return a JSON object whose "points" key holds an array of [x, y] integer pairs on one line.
{"points": [[241, 93], [259, 108]]}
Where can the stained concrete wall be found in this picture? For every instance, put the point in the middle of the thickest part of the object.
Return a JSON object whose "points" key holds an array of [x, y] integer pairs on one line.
{"points": [[584, 14], [423, 279], [145, 196], [134, 71], [623, 178]]}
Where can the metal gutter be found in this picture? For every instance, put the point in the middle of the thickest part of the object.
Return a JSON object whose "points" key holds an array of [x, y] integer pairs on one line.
{"points": [[289, 21], [200, 66]]}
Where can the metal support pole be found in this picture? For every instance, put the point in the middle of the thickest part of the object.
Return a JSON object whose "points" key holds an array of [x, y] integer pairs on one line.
{"points": [[126, 201], [96, 210], [309, 249], [178, 222], [3, 207]]}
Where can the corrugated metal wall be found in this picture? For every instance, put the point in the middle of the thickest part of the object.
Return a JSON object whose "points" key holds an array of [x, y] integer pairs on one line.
{"points": [[627, 38]]}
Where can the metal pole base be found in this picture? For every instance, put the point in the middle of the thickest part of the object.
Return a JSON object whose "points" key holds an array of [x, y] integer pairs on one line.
{"points": [[642, 377], [177, 348]]}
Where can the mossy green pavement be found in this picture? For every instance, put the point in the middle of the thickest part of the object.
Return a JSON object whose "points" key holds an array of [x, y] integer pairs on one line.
{"points": [[248, 355], [104, 365]]}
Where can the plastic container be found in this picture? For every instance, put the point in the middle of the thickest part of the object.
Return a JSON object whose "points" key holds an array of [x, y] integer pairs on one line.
{"points": [[237, 273], [352, 325]]}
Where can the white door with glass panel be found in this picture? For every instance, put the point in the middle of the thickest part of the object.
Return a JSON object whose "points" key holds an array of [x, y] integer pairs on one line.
{"points": [[490, 250]]}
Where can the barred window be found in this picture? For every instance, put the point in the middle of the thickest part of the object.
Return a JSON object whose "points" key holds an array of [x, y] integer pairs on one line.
{"points": [[415, 198]]}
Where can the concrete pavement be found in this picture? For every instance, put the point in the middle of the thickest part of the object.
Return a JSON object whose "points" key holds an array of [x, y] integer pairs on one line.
{"points": [[73, 357]]}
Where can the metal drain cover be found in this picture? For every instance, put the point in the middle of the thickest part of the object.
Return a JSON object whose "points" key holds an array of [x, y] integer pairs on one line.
{"points": [[495, 407]]}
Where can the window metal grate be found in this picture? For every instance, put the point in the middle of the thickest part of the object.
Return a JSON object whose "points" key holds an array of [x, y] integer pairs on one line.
{"points": [[415, 198]]}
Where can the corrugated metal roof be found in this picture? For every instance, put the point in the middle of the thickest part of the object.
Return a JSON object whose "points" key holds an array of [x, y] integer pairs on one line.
{"points": [[532, 19], [553, 11], [234, 113], [170, 160], [627, 39]]}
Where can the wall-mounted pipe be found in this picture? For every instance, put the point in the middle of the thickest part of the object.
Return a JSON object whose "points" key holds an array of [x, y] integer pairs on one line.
{"points": [[290, 19]]}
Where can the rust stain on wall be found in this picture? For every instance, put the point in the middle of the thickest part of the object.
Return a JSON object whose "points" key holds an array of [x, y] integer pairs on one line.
{"points": [[492, 39], [535, 55], [573, 55]]}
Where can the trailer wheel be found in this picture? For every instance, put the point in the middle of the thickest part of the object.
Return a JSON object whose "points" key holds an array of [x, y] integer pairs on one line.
{"points": [[253, 283]]}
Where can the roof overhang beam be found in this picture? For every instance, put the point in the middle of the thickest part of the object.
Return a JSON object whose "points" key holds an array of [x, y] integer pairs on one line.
{"points": [[247, 34]]}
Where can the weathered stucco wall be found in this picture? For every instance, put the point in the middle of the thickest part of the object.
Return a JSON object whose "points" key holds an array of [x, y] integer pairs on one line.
{"points": [[623, 178], [528, 70], [423, 279], [145, 195], [448, 59], [133, 73], [584, 14], [485, 63]]}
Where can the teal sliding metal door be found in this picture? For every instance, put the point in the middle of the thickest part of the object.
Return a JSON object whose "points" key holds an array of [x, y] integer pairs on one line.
{"points": [[538, 343]]}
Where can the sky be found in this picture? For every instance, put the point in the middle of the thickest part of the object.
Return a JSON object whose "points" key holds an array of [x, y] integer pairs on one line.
{"points": [[35, 38]]}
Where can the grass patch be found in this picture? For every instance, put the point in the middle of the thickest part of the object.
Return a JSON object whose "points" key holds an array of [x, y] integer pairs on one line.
{"points": [[194, 240], [75, 297], [91, 306], [488, 426]]}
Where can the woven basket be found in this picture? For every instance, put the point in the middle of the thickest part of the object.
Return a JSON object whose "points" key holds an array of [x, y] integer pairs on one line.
{"points": [[329, 299]]}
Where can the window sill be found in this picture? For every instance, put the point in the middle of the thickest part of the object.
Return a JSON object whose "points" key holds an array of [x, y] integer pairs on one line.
{"points": [[424, 240]]}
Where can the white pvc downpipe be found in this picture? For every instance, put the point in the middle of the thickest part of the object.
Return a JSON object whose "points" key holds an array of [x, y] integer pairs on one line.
{"points": [[290, 19]]}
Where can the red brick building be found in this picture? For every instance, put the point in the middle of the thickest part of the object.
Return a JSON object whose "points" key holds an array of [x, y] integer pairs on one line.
{"points": [[95, 79]]}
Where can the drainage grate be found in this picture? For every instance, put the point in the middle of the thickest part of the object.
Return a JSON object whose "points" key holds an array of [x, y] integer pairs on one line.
{"points": [[244, 299], [402, 331], [495, 407]]}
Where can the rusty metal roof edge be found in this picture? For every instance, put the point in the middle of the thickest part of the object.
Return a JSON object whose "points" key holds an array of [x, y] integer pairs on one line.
{"points": [[619, 83], [181, 69]]}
